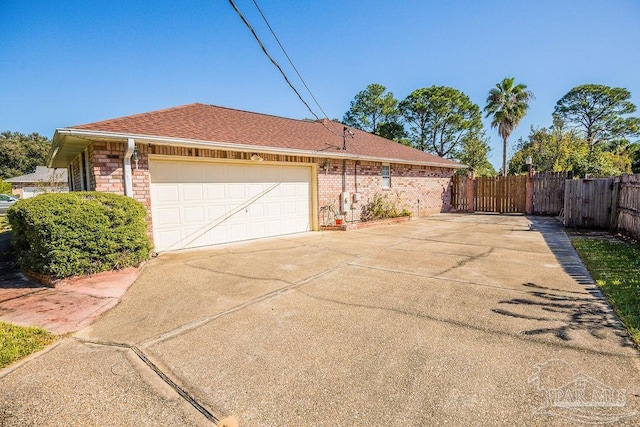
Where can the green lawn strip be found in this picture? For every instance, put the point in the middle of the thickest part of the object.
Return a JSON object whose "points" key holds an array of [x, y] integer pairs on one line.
{"points": [[615, 266], [17, 342]]}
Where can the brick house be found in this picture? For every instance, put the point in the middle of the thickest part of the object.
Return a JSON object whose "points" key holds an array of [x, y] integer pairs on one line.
{"points": [[211, 175], [42, 180]]}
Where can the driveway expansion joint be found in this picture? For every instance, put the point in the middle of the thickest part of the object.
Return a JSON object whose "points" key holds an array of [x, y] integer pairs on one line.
{"points": [[203, 321], [179, 390]]}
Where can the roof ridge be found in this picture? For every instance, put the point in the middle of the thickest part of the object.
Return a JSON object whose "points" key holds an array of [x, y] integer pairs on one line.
{"points": [[263, 114]]}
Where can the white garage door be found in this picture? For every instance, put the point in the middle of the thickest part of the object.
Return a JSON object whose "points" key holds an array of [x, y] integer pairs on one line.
{"points": [[198, 203]]}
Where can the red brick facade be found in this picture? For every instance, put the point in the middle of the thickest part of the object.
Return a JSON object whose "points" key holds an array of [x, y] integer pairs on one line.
{"points": [[412, 187]]}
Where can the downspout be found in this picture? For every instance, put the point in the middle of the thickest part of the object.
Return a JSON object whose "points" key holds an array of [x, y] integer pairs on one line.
{"points": [[128, 180]]}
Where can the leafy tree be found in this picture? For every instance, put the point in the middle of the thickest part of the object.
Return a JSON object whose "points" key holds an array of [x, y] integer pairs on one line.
{"points": [[599, 111], [393, 130], [20, 153], [551, 149], [635, 158], [559, 149], [474, 153], [374, 110], [507, 104], [440, 118]]}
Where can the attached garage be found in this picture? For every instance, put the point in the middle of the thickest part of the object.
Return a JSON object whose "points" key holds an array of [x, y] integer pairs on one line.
{"points": [[199, 203], [209, 175]]}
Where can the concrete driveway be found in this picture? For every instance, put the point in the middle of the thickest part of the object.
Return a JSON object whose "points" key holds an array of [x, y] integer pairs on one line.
{"points": [[448, 320]]}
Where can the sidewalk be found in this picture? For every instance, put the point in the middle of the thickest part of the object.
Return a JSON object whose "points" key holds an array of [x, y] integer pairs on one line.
{"points": [[71, 305]]}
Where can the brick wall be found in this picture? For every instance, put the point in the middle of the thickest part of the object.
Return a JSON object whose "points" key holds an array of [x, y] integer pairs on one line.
{"points": [[412, 187], [429, 185], [107, 172]]}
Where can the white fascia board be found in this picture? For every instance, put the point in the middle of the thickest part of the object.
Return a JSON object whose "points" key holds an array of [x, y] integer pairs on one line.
{"points": [[184, 142]]}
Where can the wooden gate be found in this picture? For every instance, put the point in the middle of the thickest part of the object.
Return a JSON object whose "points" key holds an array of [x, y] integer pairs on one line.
{"points": [[503, 194]]}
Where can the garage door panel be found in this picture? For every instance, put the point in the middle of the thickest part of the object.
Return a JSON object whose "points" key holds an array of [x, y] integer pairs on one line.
{"points": [[256, 210], [273, 209], [194, 214], [236, 191], [217, 234], [238, 231], [238, 214], [163, 171], [288, 189], [212, 173], [302, 190], [167, 217], [214, 191], [166, 193], [191, 172], [273, 192], [193, 237], [255, 189], [192, 193], [216, 212], [257, 229], [168, 239], [200, 203], [289, 207], [302, 207], [235, 173]]}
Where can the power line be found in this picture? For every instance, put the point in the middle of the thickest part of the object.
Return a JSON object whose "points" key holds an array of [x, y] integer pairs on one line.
{"points": [[273, 61], [288, 58]]}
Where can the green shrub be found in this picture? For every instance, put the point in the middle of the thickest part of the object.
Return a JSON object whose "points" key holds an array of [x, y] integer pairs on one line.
{"points": [[69, 234], [380, 207]]}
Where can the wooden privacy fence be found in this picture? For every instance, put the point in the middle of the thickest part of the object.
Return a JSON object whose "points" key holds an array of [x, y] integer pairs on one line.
{"points": [[541, 193], [460, 187], [548, 192], [627, 218], [608, 203], [587, 203]]}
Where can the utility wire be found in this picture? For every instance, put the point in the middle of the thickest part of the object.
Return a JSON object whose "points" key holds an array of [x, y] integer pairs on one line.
{"points": [[288, 58], [273, 61]]}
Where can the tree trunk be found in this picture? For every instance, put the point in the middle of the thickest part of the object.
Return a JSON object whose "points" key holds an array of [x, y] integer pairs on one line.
{"points": [[504, 156]]}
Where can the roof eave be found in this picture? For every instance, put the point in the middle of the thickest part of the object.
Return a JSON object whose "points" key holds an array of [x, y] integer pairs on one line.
{"points": [[62, 134]]}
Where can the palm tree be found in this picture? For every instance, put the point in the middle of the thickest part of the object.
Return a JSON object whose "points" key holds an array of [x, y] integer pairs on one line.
{"points": [[508, 104]]}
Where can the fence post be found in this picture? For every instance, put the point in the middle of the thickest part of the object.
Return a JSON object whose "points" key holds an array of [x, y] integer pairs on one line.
{"points": [[529, 192], [470, 205]]}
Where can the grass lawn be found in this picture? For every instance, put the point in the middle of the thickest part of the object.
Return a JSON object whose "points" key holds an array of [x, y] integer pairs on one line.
{"points": [[17, 342], [615, 266]]}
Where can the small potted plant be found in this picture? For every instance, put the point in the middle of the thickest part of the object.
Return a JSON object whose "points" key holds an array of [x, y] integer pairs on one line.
{"points": [[339, 220]]}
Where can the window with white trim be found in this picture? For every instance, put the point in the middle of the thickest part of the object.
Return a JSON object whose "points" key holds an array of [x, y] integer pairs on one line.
{"points": [[386, 176]]}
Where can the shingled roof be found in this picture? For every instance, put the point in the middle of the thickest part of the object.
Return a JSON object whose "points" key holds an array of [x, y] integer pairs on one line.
{"points": [[42, 174], [212, 124]]}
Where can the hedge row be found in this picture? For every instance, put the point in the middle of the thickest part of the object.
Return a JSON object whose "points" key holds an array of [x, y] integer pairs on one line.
{"points": [[70, 234]]}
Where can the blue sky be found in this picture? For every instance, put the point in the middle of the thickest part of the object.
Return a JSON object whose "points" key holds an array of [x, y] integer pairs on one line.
{"points": [[70, 62]]}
